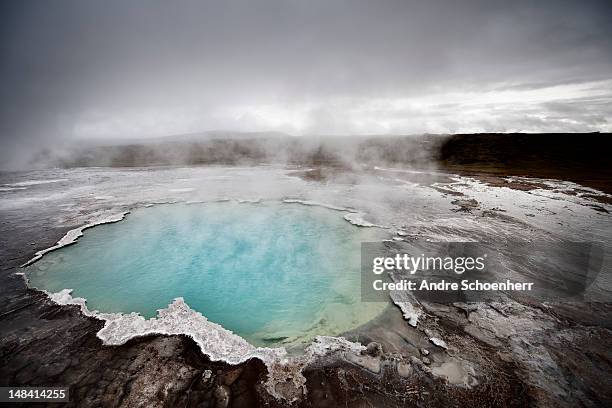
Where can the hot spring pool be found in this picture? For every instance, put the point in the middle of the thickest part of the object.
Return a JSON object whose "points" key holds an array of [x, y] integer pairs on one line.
{"points": [[273, 273]]}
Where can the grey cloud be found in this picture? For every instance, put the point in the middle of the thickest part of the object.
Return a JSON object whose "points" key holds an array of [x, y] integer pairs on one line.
{"points": [[134, 67]]}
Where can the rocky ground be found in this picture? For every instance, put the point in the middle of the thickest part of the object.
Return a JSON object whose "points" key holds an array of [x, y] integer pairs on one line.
{"points": [[516, 353]]}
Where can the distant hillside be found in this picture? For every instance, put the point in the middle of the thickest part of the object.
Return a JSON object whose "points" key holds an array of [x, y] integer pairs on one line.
{"points": [[583, 158]]}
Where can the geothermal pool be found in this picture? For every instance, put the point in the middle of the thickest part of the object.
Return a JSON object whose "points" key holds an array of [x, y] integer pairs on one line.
{"points": [[273, 273]]}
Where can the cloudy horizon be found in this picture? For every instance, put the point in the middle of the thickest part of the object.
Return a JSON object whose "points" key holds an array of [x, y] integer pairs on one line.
{"points": [[75, 70]]}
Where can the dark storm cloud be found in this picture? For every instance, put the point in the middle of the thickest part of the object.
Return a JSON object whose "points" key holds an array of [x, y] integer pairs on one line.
{"points": [[75, 69]]}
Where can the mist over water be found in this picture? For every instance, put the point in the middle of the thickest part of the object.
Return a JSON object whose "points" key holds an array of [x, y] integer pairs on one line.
{"points": [[272, 273], [248, 149]]}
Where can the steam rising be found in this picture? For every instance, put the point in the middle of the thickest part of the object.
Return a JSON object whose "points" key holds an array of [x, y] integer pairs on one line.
{"points": [[342, 153]]}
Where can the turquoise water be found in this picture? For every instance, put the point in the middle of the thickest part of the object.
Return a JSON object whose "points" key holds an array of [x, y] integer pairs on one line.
{"points": [[272, 273]]}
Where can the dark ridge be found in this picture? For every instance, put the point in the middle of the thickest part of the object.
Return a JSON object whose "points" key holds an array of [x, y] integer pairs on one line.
{"points": [[582, 158]]}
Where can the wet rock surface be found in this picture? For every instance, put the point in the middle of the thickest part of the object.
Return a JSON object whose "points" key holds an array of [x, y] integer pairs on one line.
{"points": [[518, 353]]}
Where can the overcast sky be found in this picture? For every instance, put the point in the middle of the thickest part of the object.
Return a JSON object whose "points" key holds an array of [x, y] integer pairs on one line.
{"points": [[128, 69]]}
